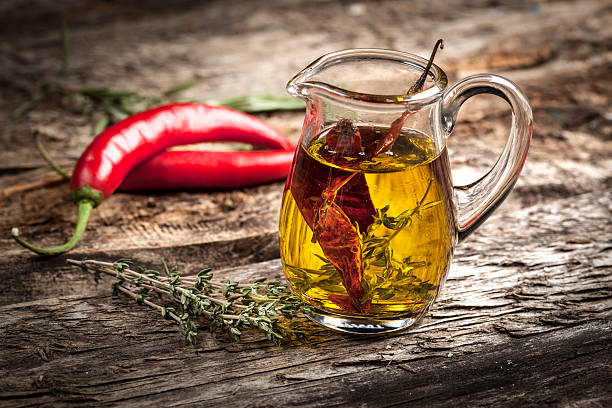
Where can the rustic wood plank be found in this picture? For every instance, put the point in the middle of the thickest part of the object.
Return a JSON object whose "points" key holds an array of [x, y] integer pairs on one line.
{"points": [[524, 318], [521, 304], [144, 220]]}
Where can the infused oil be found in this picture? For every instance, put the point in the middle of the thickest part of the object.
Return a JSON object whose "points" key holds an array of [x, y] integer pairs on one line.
{"points": [[368, 232]]}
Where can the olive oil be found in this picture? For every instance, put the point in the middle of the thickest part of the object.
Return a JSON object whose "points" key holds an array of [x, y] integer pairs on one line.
{"points": [[387, 246]]}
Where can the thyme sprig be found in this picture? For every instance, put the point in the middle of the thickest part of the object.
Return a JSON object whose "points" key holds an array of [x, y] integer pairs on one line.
{"points": [[375, 245], [395, 275], [229, 306]]}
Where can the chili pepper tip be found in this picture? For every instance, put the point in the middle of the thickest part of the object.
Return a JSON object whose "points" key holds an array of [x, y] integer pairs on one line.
{"points": [[85, 206]]}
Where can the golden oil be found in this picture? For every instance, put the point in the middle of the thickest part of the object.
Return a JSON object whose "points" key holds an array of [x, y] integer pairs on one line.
{"points": [[404, 251]]}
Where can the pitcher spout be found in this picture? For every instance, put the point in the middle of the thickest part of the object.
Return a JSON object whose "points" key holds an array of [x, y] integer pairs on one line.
{"points": [[295, 87], [369, 75], [301, 84]]}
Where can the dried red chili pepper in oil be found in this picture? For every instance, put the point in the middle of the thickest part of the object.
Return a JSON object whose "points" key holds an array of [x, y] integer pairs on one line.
{"points": [[332, 201], [344, 138]]}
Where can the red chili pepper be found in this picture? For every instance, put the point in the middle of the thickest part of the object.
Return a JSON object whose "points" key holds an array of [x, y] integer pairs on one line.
{"points": [[123, 146], [120, 148], [344, 138], [202, 169], [385, 143], [332, 201]]}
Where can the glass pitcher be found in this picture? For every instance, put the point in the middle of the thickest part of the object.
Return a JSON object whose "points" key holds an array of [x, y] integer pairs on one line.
{"points": [[370, 217]]}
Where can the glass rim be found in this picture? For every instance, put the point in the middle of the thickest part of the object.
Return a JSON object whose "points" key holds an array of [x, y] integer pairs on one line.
{"points": [[298, 85]]}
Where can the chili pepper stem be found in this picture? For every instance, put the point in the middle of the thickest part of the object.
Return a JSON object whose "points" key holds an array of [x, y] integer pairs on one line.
{"points": [[418, 85], [85, 206]]}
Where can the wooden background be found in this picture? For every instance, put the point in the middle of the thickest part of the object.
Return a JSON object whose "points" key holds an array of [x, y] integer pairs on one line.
{"points": [[524, 318]]}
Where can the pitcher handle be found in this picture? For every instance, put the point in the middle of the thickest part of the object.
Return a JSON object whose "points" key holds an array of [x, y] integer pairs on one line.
{"points": [[476, 201]]}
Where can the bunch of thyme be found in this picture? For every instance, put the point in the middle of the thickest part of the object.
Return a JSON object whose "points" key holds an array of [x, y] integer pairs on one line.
{"points": [[230, 307]]}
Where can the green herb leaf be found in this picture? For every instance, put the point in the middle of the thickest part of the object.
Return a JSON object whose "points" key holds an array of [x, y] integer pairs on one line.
{"points": [[100, 125], [24, 108], [179, 88], [262, 103]]}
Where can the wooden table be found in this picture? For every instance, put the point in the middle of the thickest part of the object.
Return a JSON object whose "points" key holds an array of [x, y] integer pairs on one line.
{"points": [[524, 318]]}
